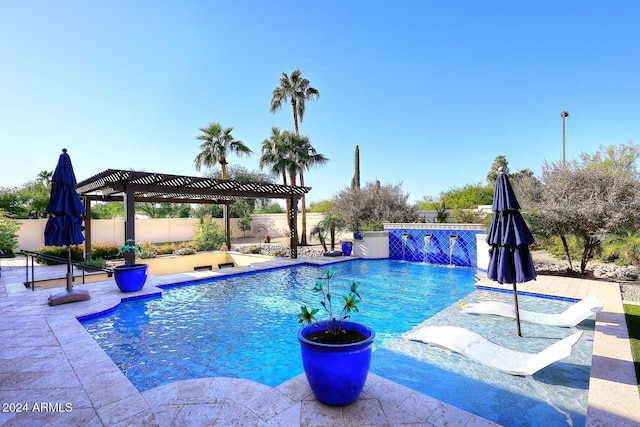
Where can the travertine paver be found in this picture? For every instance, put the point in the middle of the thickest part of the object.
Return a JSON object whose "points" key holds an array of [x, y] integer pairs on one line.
{"points": [[47, 356]]}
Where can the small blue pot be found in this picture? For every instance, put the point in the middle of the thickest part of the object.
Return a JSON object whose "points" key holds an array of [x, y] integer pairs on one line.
{"points": [[336, 372], [130, 278], [346, 248]]}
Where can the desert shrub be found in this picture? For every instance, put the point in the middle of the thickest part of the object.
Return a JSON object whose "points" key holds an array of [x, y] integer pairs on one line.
{"points": [[165, 249], [468, 216], [147, 250], [209, 235], [185, 251], [105, 251]]}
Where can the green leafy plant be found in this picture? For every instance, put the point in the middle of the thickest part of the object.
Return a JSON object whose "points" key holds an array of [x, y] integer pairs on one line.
{"points": [[129, 247], [349, 304], [105, 250], [98, 263], [8, 234]]}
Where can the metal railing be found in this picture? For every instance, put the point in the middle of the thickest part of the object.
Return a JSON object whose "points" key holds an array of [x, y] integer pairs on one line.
{"points": [[83, 266]]}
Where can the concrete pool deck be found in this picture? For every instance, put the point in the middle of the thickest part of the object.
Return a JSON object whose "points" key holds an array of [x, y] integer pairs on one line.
{"points": [[54, 371]]}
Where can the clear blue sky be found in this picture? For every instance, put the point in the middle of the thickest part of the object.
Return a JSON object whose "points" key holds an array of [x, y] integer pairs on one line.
{"points": [[432, 91]]}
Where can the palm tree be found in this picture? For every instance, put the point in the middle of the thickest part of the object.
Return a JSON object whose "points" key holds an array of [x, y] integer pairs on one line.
{"points": [[45, 177], [295, 89], [216, 142], [274, 154], [307, 158]]}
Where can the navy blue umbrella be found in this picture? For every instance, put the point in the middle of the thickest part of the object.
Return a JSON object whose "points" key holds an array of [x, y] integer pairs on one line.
{"points": [[64, 226], [509, 238]]}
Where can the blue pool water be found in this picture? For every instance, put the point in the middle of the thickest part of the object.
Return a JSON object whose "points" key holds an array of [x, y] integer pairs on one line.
{"points": [[245, 326]]}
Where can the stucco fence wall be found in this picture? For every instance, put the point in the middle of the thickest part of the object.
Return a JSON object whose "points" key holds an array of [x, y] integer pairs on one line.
{"points": [[31, 233]]}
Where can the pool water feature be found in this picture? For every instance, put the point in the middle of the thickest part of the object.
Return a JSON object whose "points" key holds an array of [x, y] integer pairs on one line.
{"points": [[245, 326]]}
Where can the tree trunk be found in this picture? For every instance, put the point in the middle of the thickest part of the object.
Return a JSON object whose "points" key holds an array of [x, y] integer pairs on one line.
{"points": [[332, 231], [566, 250], [590, 244], [303, 235]]}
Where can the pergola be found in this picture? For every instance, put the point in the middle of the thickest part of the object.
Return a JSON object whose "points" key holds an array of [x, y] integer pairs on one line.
{"points": [[133, 186]]}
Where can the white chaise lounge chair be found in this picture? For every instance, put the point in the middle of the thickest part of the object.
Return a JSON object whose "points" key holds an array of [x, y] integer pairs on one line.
{"points": [[477, 348], [568, 318]]}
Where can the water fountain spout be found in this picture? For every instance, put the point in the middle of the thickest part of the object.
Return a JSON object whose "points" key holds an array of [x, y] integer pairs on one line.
{"points": [[427, 241], [405, 237], [453, 238]]}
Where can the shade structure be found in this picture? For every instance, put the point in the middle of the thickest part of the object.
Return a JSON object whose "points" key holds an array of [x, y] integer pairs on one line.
{"points": [[64, 226], [509, 239]]}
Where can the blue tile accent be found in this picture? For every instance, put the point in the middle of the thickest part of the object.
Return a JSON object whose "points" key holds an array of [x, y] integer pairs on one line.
{"points": [[529, 294], [434, 246]]}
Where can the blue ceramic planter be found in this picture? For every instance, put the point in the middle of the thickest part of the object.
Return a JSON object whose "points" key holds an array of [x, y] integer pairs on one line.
{"points": [[336, 372], [130, 278], [346, 248]]}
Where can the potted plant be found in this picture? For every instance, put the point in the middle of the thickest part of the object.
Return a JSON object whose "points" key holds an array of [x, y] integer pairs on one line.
{"points": [[336, 353], [130, 277]]}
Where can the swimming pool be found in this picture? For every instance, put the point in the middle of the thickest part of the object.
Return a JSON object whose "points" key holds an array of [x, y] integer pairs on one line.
{"points": [[245, 326], [214, 329]]}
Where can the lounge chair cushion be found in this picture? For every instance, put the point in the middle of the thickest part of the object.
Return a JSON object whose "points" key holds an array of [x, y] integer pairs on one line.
{"points": [[568, 318], [481, 350]]}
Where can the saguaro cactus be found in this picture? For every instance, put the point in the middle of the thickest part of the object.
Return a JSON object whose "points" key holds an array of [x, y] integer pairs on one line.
{"points": [[355, 181]]}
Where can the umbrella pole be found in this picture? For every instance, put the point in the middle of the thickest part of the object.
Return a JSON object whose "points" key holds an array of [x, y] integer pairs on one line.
{"points": [[69, 269], [515, 300]]}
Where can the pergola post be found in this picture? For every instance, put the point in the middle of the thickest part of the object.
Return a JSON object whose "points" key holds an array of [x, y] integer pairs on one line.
{"points": [[87, 227], [293, 227], [226, 215], [129, 223]]}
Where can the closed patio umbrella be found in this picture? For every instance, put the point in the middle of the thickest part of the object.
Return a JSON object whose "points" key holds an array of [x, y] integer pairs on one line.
{"points": [[509, 239], [64, 226]]}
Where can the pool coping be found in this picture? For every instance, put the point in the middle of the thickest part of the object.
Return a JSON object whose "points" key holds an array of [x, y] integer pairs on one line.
{"points": [[91, 379]]}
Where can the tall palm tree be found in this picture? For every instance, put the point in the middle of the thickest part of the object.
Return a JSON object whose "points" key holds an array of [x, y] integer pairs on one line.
{"points": [[307, 158], [275, 158], [296, 89], [217, 141], [274, 154]]}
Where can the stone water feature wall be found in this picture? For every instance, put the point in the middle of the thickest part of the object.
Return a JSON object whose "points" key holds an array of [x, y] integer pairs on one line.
{"points": [[449, 244]]}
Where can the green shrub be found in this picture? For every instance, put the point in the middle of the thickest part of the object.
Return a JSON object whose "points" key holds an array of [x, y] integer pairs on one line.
{"points": [[60, 252], [8, 235], [99, 263], [209, 235], [373, 226], [105, 251]]}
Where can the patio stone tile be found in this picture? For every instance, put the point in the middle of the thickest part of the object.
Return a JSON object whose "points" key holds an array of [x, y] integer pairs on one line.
{"points": [[161, 416], [389, 391], [270, 404], [19, 381], [315, 414], [296, 388], [197, 415], [47, 380], [163, 395], [106, 389], [57, 364], [234, 414], [236, 389], [194, 391], [396, 416], [123, 409], [367, 412], [77, 397], [77, 417], [290, 417]]}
